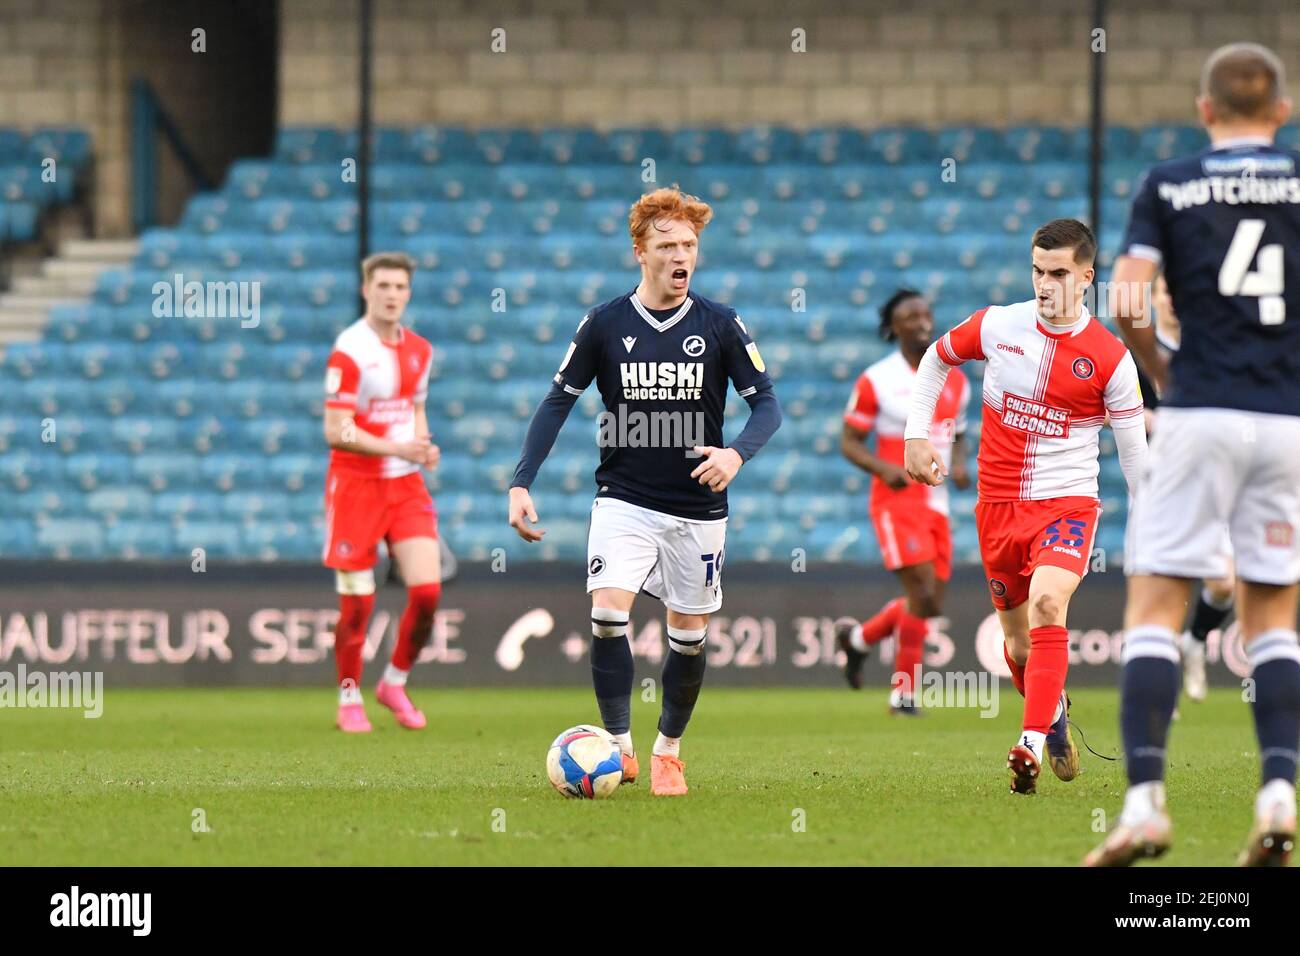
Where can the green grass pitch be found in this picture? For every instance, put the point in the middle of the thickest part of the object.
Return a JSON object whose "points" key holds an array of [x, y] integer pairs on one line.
{"points": [[277, 784]]}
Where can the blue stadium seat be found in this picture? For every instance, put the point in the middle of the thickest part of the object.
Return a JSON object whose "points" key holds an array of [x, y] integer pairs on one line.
{"points": [[494, 146], [565, 145], [1158, 143], [1033, 144], [441, 145], [13, 145], [199, 420], [971, 143], [18, 219], [892, 145], [303, 144], [633, 144], [65, 538]]}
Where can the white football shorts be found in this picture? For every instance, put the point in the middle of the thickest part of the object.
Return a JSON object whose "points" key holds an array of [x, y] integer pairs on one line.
{"points": [[1211, 467], [677, 560]]}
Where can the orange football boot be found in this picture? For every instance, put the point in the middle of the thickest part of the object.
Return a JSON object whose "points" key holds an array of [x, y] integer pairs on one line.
{"points": [[630, 768], [666, 777]]}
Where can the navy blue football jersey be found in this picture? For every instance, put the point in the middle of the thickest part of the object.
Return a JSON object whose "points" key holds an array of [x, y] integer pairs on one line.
{"points": [[663, 380], [1225, 224]]}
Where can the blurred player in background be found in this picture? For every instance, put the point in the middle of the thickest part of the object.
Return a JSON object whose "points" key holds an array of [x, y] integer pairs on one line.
{"points": [[1214, 599], [659, 520], [1225, 226], [911, 520], [1054, 375], [375, 384]]}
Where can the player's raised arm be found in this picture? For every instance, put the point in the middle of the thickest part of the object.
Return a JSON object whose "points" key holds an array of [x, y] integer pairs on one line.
{"points": [[575, 374], [954, 347]]}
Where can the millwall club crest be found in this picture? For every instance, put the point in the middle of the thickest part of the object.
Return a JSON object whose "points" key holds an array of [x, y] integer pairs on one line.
{"points": [[1279, 534], [693, 346], [1082, 368]]}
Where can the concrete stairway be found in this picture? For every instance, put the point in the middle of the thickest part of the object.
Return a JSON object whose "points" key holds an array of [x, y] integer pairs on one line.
{"points": [[66, 279]]}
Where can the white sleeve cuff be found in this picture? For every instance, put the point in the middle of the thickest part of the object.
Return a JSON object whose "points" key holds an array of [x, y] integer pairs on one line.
{"points": [[930, 378]]}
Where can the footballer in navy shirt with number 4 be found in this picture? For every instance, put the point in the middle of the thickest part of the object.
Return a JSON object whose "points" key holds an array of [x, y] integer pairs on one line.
{"points": [[1224, 225], [661, 356]]}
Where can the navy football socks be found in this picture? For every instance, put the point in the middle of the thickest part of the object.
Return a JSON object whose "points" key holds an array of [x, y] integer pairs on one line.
{"points": [[1275, 668], [1148, 695], [683, 677], [612, 668], [1208, 616]]}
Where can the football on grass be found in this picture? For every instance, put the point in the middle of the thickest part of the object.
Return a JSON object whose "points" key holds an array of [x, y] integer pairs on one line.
{"points": [[585, 762]]}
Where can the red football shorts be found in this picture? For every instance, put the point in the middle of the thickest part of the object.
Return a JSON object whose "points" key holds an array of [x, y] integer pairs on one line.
{"points": [[361, 510], [1018, 536], [913, 534]]}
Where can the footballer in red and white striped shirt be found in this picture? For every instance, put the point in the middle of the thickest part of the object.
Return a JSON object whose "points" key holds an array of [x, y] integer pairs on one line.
{"points": [[376, 382], [911, 519], [1054, 376]]}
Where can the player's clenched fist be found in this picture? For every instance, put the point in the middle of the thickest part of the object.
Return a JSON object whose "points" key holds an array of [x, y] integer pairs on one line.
{"points": [[718, 467], [432, 454], [923, 462], [522, 514], [414, 451]]}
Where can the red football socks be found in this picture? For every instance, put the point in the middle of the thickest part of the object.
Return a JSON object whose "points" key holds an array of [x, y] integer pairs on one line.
{"points": [[1049, 658], [417, 623], [350, 635], [1017, 670], [911, 645], [879, 627]]}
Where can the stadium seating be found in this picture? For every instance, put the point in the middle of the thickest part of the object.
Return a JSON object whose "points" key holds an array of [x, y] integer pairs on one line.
{"points": [[133, 432], [29, 183]]}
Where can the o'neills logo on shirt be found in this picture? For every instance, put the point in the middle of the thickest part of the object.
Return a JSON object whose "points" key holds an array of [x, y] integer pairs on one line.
{"points": [[1036, 418], [389, 411]]}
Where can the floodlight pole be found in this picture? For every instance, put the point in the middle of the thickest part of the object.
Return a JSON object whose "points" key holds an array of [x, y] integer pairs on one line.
{"points": [[364, 136], [1098, 134]]}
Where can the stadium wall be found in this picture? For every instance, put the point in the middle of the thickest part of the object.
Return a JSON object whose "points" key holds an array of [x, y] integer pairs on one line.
{"points": [[71, 62], [603, 63], [730, 61], [274, 624]]}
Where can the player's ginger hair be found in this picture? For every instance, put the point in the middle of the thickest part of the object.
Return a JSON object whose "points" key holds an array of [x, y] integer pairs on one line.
{"points": [[386, 260], [668, 204]]}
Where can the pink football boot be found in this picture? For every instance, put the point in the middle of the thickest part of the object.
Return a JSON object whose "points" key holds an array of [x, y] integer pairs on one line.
{"points": [[352, 719], [395, 699]]}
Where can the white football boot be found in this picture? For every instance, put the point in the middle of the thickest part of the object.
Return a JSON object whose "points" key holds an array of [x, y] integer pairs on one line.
{"points": [[1193, 667]]}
